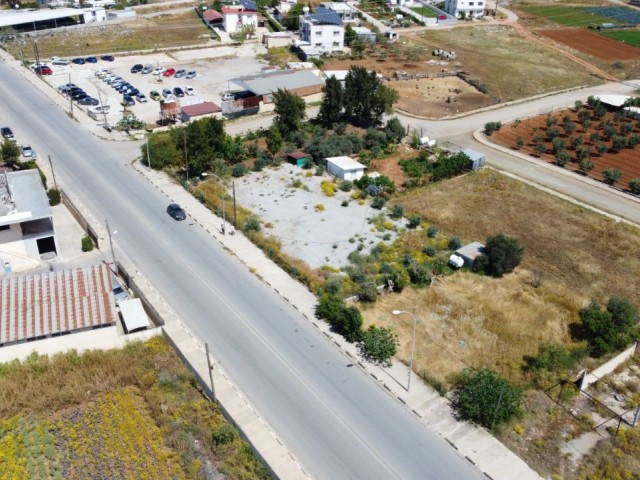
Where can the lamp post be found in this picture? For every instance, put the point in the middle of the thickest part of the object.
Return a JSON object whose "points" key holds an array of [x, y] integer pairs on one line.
{"points": [[224, 217], [413, 343], [113, 252]]}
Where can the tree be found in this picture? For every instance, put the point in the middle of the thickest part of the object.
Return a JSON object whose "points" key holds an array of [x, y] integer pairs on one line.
{"points": [[331, 107], [634, 186], [586, 166], [569, 125], [576, 141], [519, 142], [378, 345], [491, 127], [349, 35], [366, 99], [394, 130], [611, 175], [346, 321], [540, 148], [501, 255], [610, 329], [10, 152], [274, 140], [582, 153], [292, 20], [562, 158], [553, 132], [486, 398], [397, 211], [601, 148], [289, 110]]}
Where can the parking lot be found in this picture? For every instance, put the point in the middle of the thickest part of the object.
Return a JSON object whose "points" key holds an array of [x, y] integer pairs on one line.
{"points": [[215, 66]]}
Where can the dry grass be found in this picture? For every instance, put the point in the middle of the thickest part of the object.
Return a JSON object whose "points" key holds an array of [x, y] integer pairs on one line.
{"points": [[472, 320], [164, 31], [532, 68]]}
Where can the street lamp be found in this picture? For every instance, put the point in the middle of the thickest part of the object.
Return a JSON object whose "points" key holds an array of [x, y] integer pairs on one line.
{"points": [[224, 218], [413, 343]]}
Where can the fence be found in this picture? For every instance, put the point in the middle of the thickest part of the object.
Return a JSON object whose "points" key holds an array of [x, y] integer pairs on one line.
{"points": [[130, 282], [79, 218]]}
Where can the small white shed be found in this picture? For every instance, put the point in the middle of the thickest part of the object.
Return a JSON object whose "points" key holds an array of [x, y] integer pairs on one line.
{"points": [[133, 315], [470, 252], [345, 168]]}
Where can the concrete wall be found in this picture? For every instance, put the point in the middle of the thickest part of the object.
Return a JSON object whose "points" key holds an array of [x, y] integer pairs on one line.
{"points": [[587, 378]]}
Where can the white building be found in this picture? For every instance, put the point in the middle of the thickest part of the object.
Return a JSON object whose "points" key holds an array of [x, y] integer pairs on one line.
{"points": [[346, 12], [345, 168], [323, 30], [26, 221], [465, 8], [235, 17], [401, 3]]}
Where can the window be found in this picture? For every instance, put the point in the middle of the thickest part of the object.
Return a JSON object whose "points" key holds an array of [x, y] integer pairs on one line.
{"points": [[318, 45], [336, 32], [336, 44], [5, 227], [318, 34], [471, 4]]}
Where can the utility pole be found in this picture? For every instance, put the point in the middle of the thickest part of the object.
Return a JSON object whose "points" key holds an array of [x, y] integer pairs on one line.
{"points": [[186, 158], [53, 174], [104, 113], [495, 412], [233, 184], [213, 388], [148, 157], [70, 99], [113, 253]]}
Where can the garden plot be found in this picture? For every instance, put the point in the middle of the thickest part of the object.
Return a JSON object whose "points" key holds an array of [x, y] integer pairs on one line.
{"points": [[310, 225]]}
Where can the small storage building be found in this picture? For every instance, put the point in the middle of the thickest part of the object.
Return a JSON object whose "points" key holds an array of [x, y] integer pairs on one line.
{"points": [[134, 317], [477, 159], [298, 157], [470, 252], [345, 168], [199, 110]]}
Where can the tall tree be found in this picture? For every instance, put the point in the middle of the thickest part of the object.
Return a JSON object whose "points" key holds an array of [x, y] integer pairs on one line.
{"points": [[290, 111], [331, 107], [292, 20], [366, 98]]}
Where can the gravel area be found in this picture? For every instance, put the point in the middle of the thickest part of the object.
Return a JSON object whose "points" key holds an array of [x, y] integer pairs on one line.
{"points": [[317, 236]]}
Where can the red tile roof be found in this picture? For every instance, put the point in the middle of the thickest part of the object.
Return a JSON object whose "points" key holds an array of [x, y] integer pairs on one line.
{"points": [[238, 10], [298, 154], [211, 15], [201, 109]]}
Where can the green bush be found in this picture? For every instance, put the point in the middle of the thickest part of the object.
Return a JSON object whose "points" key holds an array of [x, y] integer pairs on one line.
{"points": [[610, 329], [346, 185], [430, 250], [87, 243], [555, 357], [378, 345], [344, 320], [501, 255], [378, 203], [491, 127], [224, 434], [611, 175], [432, 231], [239, 170], [397, 211], [419, 274], [414, 221], [253, 224], [455, 243], [634, 186], [54, 196]]}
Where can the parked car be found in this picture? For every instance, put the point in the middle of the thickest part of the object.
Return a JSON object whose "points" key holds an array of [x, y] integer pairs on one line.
{"points": [[178, 92], [7, 133], [44, 70], [91, 59], [168, 72], [189, 90], [108, 58], [102, 109], [119, 293], [176, 212], [67, 87], [148, 68], [79, 95], [158, 70], [137, 68], [191, 74], [155, 95], [27, 151], [100, 73], [72, 91], [180, 73], [166, 93], [141, 98], [88, 101], [78, 61], [127, 100], [59, 61], [36, 65]]}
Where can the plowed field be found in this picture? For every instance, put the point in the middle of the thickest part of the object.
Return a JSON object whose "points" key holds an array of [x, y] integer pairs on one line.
{"points": [[626, 160], [592, 44]]}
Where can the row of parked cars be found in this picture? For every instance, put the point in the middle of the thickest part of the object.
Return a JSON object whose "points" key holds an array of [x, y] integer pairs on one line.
{"points": [[129, 93], [8, 135], [165, 72], [77, 94]]}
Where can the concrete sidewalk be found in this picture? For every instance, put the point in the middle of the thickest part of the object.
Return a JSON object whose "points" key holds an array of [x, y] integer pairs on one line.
{"points": [[478, 446]]}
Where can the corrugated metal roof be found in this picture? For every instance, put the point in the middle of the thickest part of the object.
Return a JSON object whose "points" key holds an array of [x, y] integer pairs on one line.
{"points": [[471, 251], [18, 17], [28, 195], [270, 82], [201, 109], [53, 303], [133, 315]]}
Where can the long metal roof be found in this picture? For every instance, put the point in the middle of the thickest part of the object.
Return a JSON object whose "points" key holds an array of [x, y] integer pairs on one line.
{"points": [[9, 18], [55, 303], [22, 197], [270, 82]]}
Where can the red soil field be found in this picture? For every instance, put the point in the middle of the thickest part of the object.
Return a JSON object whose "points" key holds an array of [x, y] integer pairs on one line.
{"points": [[592, 44], [626, 160]]}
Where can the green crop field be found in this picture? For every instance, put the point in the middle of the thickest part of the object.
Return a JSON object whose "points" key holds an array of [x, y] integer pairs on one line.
{"points": [[569, 16], [630, 37], [424, 11]]}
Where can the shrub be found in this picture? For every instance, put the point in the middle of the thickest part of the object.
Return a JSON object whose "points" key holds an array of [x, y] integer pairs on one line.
{"points": [[486, 398], [501, 255], [239, 170], [400, 279], [368, 292], [611, 175], [414, 221], [345, 203], [259, 165], [519, 143], [432, 231], [419, 274], [378, 203], [328, 188], [346, 321], [552, 357], [634, 186], [430, 250], [54, 196], [252, 224], [491, 127], [346, 186], [378, 345], [610, 329], [397, 211], [87, 243], [224, 434], [455, 243], [319, 207]]}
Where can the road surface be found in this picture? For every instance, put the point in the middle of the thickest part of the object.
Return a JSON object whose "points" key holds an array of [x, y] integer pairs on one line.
{"points": [[334, 419]]}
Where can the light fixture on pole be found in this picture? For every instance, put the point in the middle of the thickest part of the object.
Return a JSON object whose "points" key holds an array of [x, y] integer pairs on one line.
{"points": [[224, 217], [413, 343], [113, 252]]}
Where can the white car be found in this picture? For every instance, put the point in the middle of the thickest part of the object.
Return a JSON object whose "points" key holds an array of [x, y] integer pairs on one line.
{"points": [[189, 90], [27, 151], [59, 61], [103, 72], [102, 109], [158, 71]]}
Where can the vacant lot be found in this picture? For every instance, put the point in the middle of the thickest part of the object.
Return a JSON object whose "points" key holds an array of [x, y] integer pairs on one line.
{"points": [[119, 414], [167, 30], [467, 319], [486, 51], [569, 16], [593, 44]]}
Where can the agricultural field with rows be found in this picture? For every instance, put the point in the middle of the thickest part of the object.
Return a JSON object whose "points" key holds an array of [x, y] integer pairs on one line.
{"points": [[133, 413]]}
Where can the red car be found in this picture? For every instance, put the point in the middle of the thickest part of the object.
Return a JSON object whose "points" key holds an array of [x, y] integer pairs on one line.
{"points": [[43, 70], [168, 72]]}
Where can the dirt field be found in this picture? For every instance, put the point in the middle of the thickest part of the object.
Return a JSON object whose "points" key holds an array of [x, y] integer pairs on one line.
{"points": [[625, 160], [593, 44]]}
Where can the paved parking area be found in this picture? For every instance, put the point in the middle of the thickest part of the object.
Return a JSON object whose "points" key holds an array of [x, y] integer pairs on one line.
{"points": [[215, 66]]}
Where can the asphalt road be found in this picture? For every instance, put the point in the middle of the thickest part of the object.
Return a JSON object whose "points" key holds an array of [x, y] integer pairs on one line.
{"points": [[336, 421]]}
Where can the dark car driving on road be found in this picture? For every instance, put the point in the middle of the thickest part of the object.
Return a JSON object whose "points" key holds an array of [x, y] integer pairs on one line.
{"points": [[176, 212]]}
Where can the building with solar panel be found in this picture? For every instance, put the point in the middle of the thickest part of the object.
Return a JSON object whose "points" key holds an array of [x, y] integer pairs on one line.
{"points": [[235, 17], [323, 30]]}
